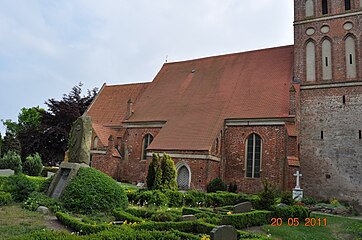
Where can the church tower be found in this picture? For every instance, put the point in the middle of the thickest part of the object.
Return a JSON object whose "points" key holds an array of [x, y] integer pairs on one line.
{"points": [[327, 63]]}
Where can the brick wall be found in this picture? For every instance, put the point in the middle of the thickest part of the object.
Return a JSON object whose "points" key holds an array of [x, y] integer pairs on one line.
{"points": [[332, 166], [273, 156]]}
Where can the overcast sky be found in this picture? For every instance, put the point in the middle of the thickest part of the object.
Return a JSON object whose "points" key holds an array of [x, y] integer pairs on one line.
{"points": [[49, 46]]}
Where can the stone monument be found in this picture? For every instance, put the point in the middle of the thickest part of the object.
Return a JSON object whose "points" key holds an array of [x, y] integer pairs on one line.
{"points": [[297, 191], [78, 155], [224, 232]]}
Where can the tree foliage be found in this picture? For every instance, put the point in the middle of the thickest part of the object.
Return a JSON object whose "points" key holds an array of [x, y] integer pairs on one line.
{"points": [[10, 143], [33, 165]]}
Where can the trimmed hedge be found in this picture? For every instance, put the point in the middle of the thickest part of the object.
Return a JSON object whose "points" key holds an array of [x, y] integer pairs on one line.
{"points": [[79, 226], [93, 191], [122, 215], [19, 186], [243, 220], [299, 212], [5, 198]]}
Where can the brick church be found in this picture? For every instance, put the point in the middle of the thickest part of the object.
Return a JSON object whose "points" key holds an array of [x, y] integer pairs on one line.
{"points": [[248, 116]]}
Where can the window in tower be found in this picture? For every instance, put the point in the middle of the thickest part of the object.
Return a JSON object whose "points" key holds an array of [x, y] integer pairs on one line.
{"points": [[350, 48], [347, 4], [324, 6], [322, 135], [327, 59], [310, 61], [309, 8], [344, 99], [359, 134], [253, 156]]}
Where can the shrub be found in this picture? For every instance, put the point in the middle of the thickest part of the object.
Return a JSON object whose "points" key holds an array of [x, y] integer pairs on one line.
{"points": [[151, 174], [33, 165], [287, 198], [233, 188], [37, 199], [11, 160], [175, 198], [158, 198], [290, 212], [243, 220], [141, 212], [168, 173], [19, 186], [93, 191], [266, 198], [5, 198], [224, 199], [216, 185], [163, 217], [309, 201], [195, 198], [122, 215]]}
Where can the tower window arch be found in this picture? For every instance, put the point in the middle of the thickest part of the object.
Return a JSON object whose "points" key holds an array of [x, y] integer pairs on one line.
{"points": [[310, 61], [324, 6], [347, 4], [351, 65], [147, 140], [326, 59], [309, 8], [253, 156]]}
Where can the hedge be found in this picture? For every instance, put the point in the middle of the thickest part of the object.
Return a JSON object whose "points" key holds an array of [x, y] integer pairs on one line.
{"points": [[299, 212], [122, 215], [79, 226], [5, 198], [243, 220]]}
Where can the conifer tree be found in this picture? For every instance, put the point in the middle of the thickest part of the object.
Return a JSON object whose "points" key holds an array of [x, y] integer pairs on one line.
{"points": [[151, 174], [158, 184], [168, 173]]}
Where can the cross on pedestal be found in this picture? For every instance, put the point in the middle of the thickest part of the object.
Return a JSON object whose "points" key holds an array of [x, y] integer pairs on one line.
{"points": [[297, 174]]}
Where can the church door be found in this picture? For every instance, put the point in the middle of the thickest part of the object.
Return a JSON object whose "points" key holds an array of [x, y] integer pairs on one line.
{"points": [[183, 177]]}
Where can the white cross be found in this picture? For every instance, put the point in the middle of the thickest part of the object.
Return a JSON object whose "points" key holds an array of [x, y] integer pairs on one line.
{"points": [[297, 175]]}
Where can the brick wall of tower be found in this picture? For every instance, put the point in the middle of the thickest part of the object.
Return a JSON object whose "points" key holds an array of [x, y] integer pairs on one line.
{"points": [[273, 156], [336, 34], [332, 166]]}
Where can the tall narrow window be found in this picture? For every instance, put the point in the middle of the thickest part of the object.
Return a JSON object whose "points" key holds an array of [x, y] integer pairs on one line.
{"points": [[309, 8], [253, 156], [146, 142], [322, 135], [324, 6], [351, 67], [327, 59], [359, 134], [347, 4], [310, 61]]}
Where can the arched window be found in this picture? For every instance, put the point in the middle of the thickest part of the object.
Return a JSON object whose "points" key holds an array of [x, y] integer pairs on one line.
{"points": [[327, 59], [95, 142], [253, 156], [309, 8], [146, 142], [347, 4], [310, 61], [324, 6], [351, 66], [183, 177]]}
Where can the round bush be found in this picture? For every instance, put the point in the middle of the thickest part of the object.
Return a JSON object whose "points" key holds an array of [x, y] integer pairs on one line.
{"points": [[19, 186], [216, 185], [93, 191], [33, 165], [11, 160], [176, 198]]}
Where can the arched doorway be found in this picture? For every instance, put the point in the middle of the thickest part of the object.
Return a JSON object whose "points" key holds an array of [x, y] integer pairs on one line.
{"points": [[183, 178]]}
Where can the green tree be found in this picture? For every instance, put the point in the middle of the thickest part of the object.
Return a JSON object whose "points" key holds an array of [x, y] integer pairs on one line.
{"points": [[168, 173], [10, 143], [158, 177], [151, 174], [11, 160], [33, 165]]}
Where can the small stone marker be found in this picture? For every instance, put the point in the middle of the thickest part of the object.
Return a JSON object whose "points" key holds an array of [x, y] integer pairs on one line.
{"points": [[49, 174], [243, 207], [43, 210], [224, 232], [141, 185], [188, 217], [6, 172]]}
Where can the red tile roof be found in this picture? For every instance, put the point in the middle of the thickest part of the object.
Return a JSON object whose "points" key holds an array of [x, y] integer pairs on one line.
{"points": [[196, 96], [110, 108]]}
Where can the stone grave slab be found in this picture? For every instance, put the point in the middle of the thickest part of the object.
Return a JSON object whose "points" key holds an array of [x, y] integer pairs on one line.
{"points": [[6, 172], [188, 217], [224, 232], [243, 207]]}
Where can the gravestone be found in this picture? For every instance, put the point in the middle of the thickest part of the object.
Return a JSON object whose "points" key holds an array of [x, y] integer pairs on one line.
{"points": [[6, 172], [78, 153], [224, 232], [188, 217], [243, 207], [297, 191]]}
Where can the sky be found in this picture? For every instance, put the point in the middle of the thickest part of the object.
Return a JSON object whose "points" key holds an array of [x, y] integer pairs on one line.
{"points": [[49, 46]]}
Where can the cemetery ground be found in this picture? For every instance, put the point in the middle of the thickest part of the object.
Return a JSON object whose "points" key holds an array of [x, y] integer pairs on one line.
{"points": [[164, 215]]}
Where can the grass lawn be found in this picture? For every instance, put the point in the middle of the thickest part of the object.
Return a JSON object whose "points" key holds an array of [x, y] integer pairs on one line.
{"points": [[15, 221], [336, 228]]}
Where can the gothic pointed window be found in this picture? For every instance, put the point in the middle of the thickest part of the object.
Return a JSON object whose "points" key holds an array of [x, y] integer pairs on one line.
{"points": [[324, 6], [350, 49], [309, 8], [146, 142], [253, 156], [310, 61], [327, 59], [347, 4]]}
